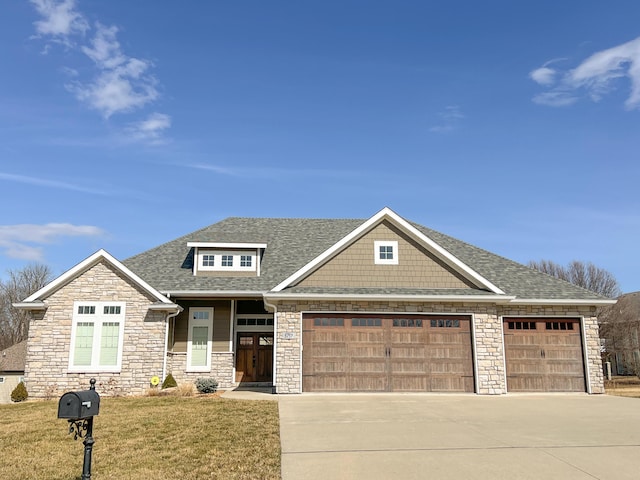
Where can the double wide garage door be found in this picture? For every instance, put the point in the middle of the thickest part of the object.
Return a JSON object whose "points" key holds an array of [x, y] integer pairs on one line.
{"points": [[408, 353], [544, 355]]}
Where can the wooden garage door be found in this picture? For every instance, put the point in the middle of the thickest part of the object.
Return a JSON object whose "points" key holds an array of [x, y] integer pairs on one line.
{"points": [[544, 355], [345, 353]]}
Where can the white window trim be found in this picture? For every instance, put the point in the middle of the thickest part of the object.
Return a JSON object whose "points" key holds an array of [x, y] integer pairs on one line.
{"points": [[385, 243], [98, 318], [237, 255], [194, 323], [254, 328]]}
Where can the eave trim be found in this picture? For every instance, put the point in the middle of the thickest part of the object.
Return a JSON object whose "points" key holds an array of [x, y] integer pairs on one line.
{"points": [[272, 296], [213, 293], [556, 301]]}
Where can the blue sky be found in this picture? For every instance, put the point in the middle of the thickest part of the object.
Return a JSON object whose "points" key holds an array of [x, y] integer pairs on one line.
{"points": [[510, 125]]}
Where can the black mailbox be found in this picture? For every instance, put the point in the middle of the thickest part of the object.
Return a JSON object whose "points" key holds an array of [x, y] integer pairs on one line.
{"points": [[79, 405]]}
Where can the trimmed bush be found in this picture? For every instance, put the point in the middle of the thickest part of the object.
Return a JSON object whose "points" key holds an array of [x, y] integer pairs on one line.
{"points": [[19, 393], [169, 382], [206, 385]]}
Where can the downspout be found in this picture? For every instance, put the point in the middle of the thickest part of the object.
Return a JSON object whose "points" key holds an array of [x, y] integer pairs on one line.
{"points": [[166, 340], [275, 339]]}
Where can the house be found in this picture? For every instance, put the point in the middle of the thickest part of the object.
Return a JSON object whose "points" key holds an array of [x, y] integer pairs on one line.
{"points": [[620, 332], [315, 305], [12, 362]]}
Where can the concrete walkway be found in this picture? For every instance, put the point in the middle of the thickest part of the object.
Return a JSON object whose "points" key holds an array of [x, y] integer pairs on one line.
{"points": [[404, 436]]}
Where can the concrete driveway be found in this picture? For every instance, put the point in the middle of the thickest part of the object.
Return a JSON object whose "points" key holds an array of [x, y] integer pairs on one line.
{"points": [[405, 436]]}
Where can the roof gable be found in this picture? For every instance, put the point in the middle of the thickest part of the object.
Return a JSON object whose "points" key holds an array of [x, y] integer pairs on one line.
{"points": [[387, 215], [35, 300], [412, 265]]}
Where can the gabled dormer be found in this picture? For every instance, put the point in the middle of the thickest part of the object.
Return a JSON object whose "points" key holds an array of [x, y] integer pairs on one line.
{"points": [[227, 259]]}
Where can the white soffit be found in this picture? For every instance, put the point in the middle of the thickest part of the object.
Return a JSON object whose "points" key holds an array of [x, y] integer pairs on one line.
{"points": [[387, 213]]}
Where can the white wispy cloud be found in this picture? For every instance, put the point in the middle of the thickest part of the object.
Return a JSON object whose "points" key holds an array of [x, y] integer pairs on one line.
{"points": [[449, 120], [22, 241], [273, 172], [556, 98], [44, 182], [543, 75], [594, 77], [150, 130], [60, 19], [121, 83]]}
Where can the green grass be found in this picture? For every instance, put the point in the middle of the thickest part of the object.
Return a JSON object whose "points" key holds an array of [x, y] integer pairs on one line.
{"points": [[145, 437]]}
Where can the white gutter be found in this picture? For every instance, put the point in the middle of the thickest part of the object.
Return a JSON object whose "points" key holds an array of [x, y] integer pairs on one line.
{"points": [[166, 341], [406, 298], [30, 305], [213, 293], [569, 301]]}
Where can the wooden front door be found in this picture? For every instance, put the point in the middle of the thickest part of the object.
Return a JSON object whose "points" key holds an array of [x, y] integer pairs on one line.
{"points": [[544, 355], [343, 353], [254, 357]]}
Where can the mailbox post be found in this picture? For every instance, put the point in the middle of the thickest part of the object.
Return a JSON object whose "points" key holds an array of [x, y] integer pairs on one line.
{"points": [[79, 408]]}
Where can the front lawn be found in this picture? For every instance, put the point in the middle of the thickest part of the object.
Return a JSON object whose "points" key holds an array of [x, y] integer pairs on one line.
{"points": [[623, 386], [183, 438]]}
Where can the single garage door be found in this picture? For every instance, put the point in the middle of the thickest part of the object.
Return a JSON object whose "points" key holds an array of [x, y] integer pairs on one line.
{"points": [[544, 355], [399, 353]]}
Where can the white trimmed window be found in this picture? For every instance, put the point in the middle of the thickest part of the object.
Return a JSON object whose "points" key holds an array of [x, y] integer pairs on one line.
{"points": [[386, 252], [200, 339], [97, 337], [210, 260]]}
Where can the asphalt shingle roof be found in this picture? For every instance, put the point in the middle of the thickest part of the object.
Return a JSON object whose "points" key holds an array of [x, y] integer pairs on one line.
{"points": [[12, 359], [292, 243]]}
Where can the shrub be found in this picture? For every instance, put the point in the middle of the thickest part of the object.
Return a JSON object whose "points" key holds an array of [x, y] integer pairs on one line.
{"points": [[169, 382], [206, 385], [184, 390], [19, 393]]}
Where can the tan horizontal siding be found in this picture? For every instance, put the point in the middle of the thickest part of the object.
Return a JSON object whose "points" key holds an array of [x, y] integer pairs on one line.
{"points": [[221, 319]]}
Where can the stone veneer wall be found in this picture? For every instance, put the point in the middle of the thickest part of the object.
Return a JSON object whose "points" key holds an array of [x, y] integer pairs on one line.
{"points": [[595, 379], [487, 337], [49, 342], [222, 365]]}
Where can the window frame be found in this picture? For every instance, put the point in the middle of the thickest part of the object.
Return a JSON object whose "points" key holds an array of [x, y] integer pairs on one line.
{"points": [[220, 266], [378, 244], [193, 322], [98, 318]]}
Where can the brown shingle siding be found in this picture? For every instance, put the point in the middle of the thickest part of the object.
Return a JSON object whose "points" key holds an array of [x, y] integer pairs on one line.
{"points": [[355, 266]]}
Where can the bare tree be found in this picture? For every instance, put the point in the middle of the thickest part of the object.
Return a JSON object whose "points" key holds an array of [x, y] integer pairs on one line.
{"points": [[585, 275], [14, 323], [620, 329]]}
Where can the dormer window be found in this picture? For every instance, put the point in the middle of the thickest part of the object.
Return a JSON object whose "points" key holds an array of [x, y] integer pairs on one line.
{"points": [[208, 260], [227, 257], [386, 252]]}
